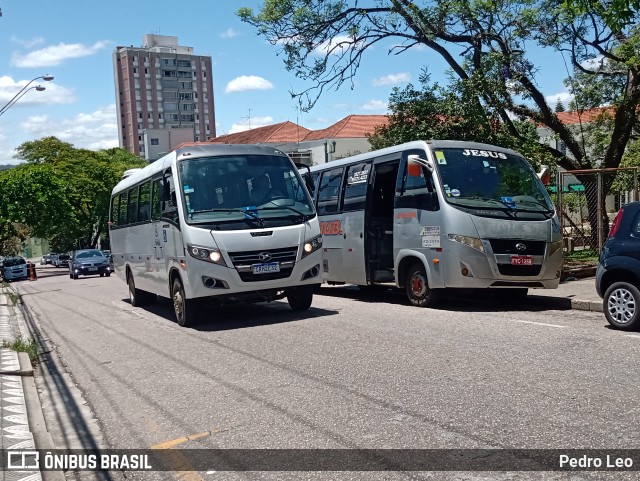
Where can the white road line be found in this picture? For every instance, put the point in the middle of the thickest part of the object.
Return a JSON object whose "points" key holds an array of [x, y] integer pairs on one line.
{"points": [[540, 324], [633, 335]]}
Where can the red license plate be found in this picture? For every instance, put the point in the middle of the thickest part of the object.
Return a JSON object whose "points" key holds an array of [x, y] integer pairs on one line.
{"points": [[521, 260]]}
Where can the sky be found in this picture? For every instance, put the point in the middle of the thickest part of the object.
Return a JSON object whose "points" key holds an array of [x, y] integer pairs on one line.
{"points": [[74, 41]]}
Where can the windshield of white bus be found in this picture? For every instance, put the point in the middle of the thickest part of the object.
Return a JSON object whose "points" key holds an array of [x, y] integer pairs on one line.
{"points": [[486, 179], [244, 190]]}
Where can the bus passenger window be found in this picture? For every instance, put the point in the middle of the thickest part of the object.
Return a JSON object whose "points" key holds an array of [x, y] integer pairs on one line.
{"points": [[144, 202], [155, 200], [329, 191], [355, 192]]}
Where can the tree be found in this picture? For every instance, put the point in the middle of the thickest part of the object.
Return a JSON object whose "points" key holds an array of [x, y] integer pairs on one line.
{"points": [[62, 193], [485, 44], [559, 106], [451, 112]]}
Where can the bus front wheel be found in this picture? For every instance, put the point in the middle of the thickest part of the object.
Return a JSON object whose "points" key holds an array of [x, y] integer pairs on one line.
{"points": [[417, 287], [300, 298], [185, 309]]}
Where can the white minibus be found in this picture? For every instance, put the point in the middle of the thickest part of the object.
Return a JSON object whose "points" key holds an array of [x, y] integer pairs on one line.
{"points": [[427, 216], [194, 225]]}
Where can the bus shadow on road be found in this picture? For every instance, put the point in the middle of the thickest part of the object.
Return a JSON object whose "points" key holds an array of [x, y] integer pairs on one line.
{"points": [[455, 300], [238, 316]]}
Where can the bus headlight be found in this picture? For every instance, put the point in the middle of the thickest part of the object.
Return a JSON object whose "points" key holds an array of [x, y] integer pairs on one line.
{"points": [[472, 242], [207, 254], [312, 245]]}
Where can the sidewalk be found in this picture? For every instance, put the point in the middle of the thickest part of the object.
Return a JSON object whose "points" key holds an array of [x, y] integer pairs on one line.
{"points": [[22, 424]]}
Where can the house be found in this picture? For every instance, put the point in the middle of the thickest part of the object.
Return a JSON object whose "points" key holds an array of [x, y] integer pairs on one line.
{"points": [[342, 139]]}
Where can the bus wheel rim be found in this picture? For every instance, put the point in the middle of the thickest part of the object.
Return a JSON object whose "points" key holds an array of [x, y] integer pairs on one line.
{"points": [[418, 285]]}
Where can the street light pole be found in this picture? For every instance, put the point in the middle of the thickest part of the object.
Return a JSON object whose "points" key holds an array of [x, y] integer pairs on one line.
{"points": [[21, 92]]}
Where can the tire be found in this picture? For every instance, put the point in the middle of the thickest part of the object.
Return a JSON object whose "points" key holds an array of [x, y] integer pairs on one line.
{"points": [[137, 297], [621, 305], [102, 274], [300, 298], [74, 276], [107, 274], [183, 308], [417, 287]]}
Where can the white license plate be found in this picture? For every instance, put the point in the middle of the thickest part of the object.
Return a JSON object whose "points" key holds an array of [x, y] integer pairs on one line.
{"points": [[93, 268], [521, 260], [265, 268]]}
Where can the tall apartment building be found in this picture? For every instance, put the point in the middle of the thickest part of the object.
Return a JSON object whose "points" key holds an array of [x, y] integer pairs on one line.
{"points": [[164, 96]]}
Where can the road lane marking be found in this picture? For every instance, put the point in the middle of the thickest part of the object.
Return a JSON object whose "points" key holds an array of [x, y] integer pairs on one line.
{"points": [[177, 461], [174, 442], [633, 335], [540, 324]]}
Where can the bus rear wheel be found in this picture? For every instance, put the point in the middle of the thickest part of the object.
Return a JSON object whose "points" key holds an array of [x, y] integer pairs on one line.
{"points": [[417, 286], [136, 296], [184, 309], [300, 298]]}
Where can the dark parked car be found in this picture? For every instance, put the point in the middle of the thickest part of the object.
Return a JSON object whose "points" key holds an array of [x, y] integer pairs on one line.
{"points": [[88, 262], [46, 259], [61, 260], [618, 272]]}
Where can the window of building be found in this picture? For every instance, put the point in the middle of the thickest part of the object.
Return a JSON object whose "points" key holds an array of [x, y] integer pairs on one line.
{"points": [[155, 141]]}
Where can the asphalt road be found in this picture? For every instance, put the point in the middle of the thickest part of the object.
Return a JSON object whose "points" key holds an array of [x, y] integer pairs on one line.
{"points": [[358, 370]]}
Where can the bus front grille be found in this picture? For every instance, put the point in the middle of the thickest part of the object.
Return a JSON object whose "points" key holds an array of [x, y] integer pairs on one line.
{"points": [[285, 257], [517, 247]]}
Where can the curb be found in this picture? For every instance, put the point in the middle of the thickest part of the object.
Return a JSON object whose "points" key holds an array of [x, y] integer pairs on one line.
{"points": [[566, 303]]}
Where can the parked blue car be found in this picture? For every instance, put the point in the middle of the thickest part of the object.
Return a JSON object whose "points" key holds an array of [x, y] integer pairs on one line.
{"points": [[618, 272], [14, 268]]}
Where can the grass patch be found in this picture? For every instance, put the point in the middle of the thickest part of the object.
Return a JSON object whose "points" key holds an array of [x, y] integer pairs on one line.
{"points": [[584, 255], [30, 346]]}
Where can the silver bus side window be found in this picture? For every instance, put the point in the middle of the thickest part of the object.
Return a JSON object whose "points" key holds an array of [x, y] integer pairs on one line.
{"points": [[416, 188], [355, 191], [329, 191], [156, 207]]}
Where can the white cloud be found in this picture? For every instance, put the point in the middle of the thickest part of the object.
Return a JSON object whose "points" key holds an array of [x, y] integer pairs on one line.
{"points": [[229, 33], [28, 43], [56, 54], [336, 46], [376, 105], [248, 82], [392, 79], [53, 94], [565, 97], [249, 124], [95, 130], [595, 63]]}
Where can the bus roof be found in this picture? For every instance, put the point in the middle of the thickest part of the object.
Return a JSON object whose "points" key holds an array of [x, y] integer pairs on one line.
{"points": [[191, 152], [416, 144]]}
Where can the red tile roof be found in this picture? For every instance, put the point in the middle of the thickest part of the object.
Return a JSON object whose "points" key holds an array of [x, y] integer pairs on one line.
{"points": [[574, 117], [353, 126], [282, 132]]}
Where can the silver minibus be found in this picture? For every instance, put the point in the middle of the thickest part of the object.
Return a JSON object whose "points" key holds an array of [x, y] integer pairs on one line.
{"points": [[431, 215]]}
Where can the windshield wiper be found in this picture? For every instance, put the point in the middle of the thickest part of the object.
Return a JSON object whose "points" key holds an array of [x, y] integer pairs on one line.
{"points": [[302, 215], [249, 214], [535, 202]]}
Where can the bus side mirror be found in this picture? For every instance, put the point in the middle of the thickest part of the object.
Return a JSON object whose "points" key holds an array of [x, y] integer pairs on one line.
{"points": [[414, 164], [544, 175]]}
